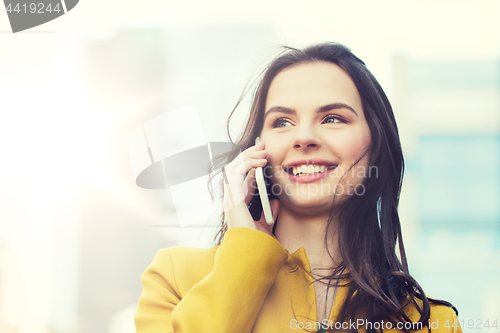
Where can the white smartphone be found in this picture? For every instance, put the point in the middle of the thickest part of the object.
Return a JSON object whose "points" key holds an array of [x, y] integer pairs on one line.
{"points": [[264, 199]]}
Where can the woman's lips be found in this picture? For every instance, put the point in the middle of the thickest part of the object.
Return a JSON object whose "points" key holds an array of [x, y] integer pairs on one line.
{"points": [[310, 178]]}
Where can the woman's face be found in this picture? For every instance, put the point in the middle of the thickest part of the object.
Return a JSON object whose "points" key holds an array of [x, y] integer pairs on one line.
{"points": [[314, 131]]}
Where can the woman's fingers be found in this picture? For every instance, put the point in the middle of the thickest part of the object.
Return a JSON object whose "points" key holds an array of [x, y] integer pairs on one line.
{"points": [[236, 188], [253, 159], [251, 184], [239, 189], [246, 161]]}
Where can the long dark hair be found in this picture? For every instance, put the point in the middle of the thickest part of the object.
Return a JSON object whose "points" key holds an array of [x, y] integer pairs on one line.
{"points": [[368, 228]]}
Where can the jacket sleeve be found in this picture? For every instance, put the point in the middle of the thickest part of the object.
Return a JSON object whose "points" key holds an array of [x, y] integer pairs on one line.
{"points": [[228, 299]]}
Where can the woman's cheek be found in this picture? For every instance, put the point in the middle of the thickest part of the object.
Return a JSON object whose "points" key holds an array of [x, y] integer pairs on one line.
{"points": [[356, 146], [275, 167], [352, 147]]}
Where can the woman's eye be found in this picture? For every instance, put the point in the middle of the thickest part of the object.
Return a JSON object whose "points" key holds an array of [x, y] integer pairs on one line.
{"points": [[333, 120], [281, 122]]}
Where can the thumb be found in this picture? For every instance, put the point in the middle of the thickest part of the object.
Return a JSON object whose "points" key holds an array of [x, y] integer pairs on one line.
{"points": [[261, 223]]}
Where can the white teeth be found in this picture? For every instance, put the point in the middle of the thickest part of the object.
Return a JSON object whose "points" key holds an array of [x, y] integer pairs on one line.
{"points": [[308, 169]]}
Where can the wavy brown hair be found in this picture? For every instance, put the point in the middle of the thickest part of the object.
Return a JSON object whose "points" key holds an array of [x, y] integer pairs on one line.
{"points": [[368, 228]]}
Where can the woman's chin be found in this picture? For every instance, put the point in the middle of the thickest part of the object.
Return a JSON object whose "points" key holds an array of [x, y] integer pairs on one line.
{"points": [[310, 205]]}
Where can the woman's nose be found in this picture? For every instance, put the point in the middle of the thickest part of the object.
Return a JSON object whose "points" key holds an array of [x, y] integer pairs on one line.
{"points": [[306, 138]]}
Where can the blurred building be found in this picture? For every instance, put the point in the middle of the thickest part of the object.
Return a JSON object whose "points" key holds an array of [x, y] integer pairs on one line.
{"points": [[449, 118]]}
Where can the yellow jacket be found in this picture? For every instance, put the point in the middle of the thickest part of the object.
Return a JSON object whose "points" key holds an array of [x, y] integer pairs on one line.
{"points": [[250, 283]]}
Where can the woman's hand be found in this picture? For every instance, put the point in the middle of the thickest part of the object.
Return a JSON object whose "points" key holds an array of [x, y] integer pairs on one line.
{"points": [[239, 191]]}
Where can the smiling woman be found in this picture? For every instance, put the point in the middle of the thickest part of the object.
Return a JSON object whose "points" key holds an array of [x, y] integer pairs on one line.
{"points": [[329, 261]]}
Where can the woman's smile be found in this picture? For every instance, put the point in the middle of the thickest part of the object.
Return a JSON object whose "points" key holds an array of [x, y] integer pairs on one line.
{"points": [[315, 133], [306, 171]]}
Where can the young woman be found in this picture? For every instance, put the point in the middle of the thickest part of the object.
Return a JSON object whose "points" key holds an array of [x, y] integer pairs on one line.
{"points": [[332, 156]]}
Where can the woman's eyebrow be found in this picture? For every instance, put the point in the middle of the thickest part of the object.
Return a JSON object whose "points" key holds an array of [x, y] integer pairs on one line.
{"points": [[334, 106], [280, 109], [324, 108]]}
